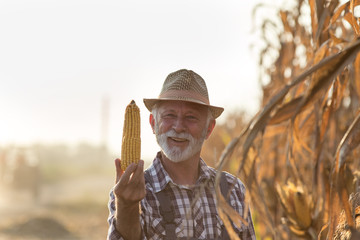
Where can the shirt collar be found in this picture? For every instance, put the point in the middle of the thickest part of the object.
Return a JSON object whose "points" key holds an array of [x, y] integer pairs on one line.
{"points": [[161, 178]]}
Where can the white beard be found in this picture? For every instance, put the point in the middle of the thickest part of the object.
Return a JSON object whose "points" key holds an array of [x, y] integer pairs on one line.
{"points": [[176, 154]]}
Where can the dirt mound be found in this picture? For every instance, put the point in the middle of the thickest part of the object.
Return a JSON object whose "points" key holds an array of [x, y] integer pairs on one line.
{"points": [[39, 227]]}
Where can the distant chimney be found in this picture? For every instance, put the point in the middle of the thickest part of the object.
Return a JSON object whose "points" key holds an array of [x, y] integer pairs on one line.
{"points": [[105, 107]]}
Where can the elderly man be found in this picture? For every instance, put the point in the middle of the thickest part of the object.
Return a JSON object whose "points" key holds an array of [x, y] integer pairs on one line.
{"points": [[175, 197]]}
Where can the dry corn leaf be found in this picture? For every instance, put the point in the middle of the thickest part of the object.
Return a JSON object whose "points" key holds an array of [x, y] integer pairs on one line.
{"points": [[292, 102], [226, 208], [299, 137], [313, 15], [325, 70], [346, 7], [327, 110], [321, 53], [344, 196], [335, 40], [334, 210], [253, 187], [226, 212], [349, 17], [319, 7], [340, 88], [355, 25], [324, 19], [275, 130], [290, 160], [228, 226], [350, 140], [357, 74], [286, 111], [287, 27], [353, 4], [261, 121], [324, 76], [337, 13]]}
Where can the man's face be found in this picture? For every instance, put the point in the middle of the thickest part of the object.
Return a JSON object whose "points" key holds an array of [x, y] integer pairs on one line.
{"points": [[181, 129]]}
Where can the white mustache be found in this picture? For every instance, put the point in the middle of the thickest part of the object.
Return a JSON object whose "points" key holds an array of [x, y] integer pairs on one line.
{"points": [[173, 134]]}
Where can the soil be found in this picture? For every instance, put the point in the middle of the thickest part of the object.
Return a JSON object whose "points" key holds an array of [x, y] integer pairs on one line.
{"points": [[71, 209], [39, 227]]}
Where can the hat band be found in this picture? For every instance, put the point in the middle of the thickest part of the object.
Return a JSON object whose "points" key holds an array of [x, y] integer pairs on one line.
{"points": [[184, 95]]}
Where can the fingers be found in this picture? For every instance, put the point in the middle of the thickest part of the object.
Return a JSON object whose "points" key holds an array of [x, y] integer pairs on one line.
{"points": [[128, 171], [138, 176], [119, 171], [130, 186], [133, 173], [139, 171]]}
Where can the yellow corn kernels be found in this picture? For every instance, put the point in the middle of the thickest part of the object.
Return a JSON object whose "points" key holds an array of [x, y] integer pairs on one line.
{"points": [[131, 142]]}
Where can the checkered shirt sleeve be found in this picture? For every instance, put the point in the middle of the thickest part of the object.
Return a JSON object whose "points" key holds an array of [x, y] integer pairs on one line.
{"points": [[113, 234]]}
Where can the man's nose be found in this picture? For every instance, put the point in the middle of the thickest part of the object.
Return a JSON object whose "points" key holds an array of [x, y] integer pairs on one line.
{"points": [[179, 125]]}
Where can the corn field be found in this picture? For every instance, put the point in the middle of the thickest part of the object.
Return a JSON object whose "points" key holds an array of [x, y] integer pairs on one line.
{"points": [[299, 156]]}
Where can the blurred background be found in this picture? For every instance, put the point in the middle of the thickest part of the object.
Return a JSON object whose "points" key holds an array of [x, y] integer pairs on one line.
{"points": [[286, 72], [67, 71]]}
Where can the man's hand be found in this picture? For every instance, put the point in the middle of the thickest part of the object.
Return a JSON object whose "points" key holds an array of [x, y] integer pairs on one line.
{"points": [[129, 191], [130, 184]]}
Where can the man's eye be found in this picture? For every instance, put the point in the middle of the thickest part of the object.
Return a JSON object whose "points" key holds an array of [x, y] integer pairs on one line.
{"points": [[169, 115], [191, 117]]}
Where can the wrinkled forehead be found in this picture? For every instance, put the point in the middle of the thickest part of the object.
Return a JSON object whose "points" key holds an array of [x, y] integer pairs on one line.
{"points": [[175, 105]]}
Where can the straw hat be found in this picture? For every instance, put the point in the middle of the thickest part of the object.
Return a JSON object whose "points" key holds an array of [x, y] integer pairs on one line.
{"points": [[184, 85]]}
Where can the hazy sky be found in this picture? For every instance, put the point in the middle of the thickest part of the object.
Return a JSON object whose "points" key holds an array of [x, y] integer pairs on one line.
{"points": [[60, 58]]}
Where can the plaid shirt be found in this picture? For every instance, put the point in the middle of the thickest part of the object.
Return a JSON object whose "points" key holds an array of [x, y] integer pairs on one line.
{"points": [[194, 207]]}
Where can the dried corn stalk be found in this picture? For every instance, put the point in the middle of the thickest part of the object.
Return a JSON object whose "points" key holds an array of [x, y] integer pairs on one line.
{"points": [[307, 131]]}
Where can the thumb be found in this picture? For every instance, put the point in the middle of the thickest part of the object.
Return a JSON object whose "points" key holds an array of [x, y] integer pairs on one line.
{"points": [[119, 171]]}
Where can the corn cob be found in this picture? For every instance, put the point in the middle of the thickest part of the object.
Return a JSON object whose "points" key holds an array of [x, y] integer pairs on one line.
{"points": [[297, 205], [302, 208], [131, 142]]}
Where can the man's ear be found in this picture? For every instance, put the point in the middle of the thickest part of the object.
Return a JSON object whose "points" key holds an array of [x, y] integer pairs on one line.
{"points": [[152, 122], [211, 126]]}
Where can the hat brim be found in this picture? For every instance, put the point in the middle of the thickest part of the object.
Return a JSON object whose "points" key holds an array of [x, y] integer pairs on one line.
{"points": [[150, 102]]}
